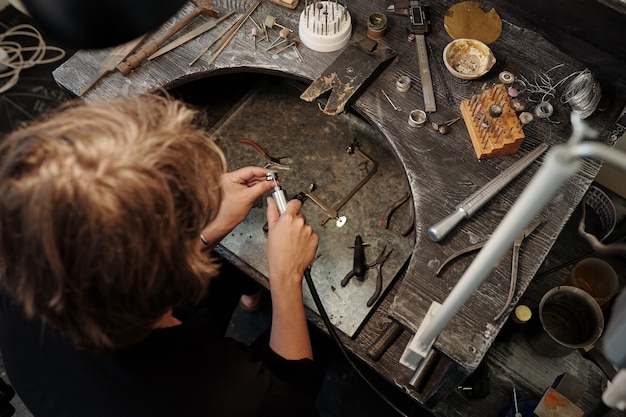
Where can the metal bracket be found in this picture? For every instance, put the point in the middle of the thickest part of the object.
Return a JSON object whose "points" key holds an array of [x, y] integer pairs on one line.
{"points": [[332, 212]]}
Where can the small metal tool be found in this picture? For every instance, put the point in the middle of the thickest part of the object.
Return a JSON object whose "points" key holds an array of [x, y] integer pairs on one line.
{"points": [[253, 32], [202, 7], [396, 108], [474, 202], [514, 262], [443, 127], [332, 287], [216, 40], [332, 212], [359, 268], [231, 33], [278, 194], [517, 413], [419, 28], [272, 162], [211, 24], [282, 38], [270, 22], [378, 264]]}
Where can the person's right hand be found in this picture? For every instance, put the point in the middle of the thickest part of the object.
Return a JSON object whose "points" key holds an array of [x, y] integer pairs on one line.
{"points": [[291, 246], [291, 242]]}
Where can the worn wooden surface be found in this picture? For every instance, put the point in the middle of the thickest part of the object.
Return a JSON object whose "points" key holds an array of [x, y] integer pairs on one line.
{"points": [[441, 170]]}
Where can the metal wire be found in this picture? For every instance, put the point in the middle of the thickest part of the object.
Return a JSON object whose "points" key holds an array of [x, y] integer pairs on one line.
{"points": [[583, 93]]}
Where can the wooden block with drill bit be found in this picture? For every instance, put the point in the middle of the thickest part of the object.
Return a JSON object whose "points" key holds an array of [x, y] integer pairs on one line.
{"points": [[492, 123]]}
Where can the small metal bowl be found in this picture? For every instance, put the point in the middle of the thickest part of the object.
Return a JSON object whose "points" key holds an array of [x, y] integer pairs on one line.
{"points": [[468, 59]]}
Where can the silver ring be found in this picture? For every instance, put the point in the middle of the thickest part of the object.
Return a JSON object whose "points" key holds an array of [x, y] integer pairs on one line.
{"points": [[506, 77], [544, 110], [525, 117], [417, 118], [403, 84]]}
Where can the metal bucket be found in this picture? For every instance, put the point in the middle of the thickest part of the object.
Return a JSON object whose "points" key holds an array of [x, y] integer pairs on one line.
{"points": [[568, 319]]}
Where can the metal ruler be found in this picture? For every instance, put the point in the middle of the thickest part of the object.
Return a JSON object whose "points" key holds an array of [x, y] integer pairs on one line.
{"points": [[419, 24]]}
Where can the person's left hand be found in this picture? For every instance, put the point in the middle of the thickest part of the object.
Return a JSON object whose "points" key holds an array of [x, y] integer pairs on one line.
{"points": [[240, 189]]}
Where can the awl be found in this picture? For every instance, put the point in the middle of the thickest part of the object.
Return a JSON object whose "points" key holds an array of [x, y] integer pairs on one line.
{"points": [[471, 204]]}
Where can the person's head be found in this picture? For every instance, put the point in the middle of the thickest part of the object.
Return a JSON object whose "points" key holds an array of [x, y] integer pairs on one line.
{"points": [[101, 209]]}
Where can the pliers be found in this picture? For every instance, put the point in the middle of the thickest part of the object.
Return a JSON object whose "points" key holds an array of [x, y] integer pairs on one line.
{"points": [[378, 264], [272, 162], [392, 208], [514, 262], [359, 268]]}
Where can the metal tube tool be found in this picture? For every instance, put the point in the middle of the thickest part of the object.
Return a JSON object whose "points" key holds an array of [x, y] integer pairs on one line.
{"points": [[471, 204]]}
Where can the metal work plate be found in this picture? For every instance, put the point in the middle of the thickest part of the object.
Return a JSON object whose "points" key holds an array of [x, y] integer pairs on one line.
{"points": [[274, 116]]}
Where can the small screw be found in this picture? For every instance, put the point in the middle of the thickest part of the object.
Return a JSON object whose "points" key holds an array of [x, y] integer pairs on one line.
{"points": [[332, 287]]}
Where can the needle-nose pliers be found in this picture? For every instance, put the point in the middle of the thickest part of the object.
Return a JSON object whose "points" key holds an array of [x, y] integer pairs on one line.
{"points": [[514, 262], [378, 264], [272, 161]]}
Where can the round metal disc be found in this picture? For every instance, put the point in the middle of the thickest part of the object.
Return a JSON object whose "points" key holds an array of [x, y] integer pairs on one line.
{"points": [[469, 20], [341, 221]]}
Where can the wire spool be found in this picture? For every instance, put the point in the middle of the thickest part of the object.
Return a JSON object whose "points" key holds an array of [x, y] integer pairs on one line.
{"points": [[583, 93]]}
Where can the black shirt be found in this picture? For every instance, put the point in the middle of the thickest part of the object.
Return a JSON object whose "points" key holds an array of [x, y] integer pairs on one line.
{"points": [[186, 370]]}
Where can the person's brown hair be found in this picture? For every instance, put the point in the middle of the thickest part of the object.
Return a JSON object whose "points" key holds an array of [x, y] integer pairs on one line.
{"points": [[101, 209]]}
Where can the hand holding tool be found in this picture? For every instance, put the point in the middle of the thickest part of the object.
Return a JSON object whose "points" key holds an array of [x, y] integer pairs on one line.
{"points": [[278, 194], [474, 202], [378, 264], [202, 7]]}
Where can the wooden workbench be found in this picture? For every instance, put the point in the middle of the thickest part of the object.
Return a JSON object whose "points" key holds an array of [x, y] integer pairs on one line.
{"points": [[441, 170]]}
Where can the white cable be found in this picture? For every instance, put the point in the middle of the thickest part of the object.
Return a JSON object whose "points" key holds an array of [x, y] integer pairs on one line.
{"points": [[19, 57]]}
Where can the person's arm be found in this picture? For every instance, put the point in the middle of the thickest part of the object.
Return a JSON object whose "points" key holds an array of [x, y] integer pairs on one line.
{"points": [[240, 189], [291, 246]]}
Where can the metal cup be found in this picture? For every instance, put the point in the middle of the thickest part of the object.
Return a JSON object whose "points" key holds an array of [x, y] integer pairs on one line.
{"points": [[568, 319]]}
